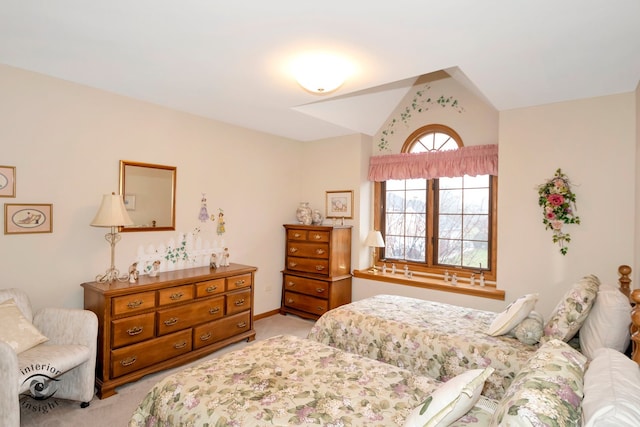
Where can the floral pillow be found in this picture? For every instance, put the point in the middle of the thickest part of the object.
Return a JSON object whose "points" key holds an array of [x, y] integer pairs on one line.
{"points": [[547, 391], [530, 330], [571, 312]]}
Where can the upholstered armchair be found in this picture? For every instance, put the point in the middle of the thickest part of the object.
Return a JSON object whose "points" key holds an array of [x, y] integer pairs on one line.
{"points": [[65, 350]]}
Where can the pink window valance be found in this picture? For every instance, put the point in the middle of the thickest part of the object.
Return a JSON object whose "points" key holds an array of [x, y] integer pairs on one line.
{"points": [[473, 160]]}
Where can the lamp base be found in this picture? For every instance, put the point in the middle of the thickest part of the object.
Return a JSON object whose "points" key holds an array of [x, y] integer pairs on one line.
{"points": [[112, 275]]}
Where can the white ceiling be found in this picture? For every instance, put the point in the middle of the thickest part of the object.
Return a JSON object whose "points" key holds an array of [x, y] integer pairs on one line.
{"points": [[227, 60]]}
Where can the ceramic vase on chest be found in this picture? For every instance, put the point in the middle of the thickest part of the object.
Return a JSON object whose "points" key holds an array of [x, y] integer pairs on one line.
{"points": [[303, 213]]}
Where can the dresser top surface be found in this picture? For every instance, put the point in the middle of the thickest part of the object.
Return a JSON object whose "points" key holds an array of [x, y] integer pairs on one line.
{"points": [[169, 278]]}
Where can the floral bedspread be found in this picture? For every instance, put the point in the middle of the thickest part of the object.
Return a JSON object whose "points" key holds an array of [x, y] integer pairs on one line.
{"points": [[285, 381], [428, 338]]}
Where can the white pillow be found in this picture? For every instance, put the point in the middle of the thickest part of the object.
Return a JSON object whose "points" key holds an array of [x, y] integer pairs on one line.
{"points": [[450, 401], [515, 313], [607, 324], [611, 391], [16, 330]]}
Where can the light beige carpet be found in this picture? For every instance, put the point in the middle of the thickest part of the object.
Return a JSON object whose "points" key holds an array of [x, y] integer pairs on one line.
{"points": [[115, 411]]}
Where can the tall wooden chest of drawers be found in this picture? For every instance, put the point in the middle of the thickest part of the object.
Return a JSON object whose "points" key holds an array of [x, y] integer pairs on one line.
{"points": [[166, 321], [317, 274]]}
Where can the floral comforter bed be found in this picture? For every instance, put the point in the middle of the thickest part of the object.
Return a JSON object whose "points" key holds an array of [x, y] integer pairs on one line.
{"points": [[288, 381], [428, 338]]}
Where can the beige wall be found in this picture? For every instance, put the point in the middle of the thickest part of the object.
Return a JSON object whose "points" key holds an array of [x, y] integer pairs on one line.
{"points": [[66, 141]]}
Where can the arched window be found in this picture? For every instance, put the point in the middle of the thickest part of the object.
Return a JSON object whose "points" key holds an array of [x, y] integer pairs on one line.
{"points": [[438, 224]]}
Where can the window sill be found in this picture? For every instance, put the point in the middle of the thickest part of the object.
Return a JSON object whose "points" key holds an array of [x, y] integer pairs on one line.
{"points": [[420, 281]]}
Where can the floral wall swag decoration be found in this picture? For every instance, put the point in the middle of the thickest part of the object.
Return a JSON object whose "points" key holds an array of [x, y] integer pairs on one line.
{"points": [[558, 204]]}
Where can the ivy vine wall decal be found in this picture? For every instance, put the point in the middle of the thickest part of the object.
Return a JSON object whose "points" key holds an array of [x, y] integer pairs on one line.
{"points": [[420, 103]]}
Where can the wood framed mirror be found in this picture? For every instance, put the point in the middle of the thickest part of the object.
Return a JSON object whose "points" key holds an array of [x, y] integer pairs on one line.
{"points": [[149, 193]]}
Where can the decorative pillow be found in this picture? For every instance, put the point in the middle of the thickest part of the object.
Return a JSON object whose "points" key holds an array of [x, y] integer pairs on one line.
{"points": [[547, 391], [530, 330], [513, 314], [572, 310], [611, 390], [450, 401], [16, 330], [607, 324]]}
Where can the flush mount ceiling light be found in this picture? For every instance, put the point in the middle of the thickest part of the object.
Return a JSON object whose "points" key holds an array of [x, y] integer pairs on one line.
{"points": [[321, 73]]}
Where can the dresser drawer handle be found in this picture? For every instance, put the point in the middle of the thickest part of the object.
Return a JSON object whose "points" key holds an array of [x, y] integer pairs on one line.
{"points": [[297, 235], [135, 304], [291, 284], [205, 337], [319, 267], [129, 361], [211, 289], [292, 264], [214, 310], [240, 282], [135, 330], [176, 296], [241, 324], [320, 308], [317, 236], [180, 345], [319, 290], [171, 322], [290, 301], [320, 251], [293, 250], [239, 302]]}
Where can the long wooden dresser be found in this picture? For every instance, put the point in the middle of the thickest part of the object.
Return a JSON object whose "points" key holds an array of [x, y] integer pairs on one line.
{"points": [[317, 274], [166, 321]]}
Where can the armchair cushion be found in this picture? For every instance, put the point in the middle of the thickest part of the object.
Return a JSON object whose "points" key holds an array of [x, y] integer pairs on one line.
{"points": [[50, 361], [17, 330]]}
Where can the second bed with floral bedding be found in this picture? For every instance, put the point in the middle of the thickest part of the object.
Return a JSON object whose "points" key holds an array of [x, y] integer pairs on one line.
{"points": [[443, 340]]}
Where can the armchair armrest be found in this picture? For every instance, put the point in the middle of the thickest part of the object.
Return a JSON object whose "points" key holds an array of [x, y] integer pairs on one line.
{"points": [[9, 403], [67, 326]]}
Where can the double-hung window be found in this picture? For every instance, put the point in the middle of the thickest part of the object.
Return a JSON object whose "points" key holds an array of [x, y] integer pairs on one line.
{"points": [[438, 224]]}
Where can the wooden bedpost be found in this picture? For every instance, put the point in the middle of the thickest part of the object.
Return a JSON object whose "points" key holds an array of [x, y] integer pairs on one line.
{"points": [[625, 280], [634, 299]]}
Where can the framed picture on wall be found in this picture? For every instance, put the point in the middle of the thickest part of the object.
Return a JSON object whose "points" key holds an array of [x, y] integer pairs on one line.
{"points": [[7, 181], [339, 204], [28, 218]]}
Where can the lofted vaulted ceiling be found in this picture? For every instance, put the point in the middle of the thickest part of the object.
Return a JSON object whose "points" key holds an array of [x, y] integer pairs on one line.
{"points": [[228, 60]]}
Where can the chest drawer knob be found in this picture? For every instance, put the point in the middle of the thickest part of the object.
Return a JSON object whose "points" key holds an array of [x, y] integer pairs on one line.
{"points": [[292, 264], [211, 289], [320, 251], [135, 330], [297, 235], [135, 304], [128, 361], [317, 236], [319, 267], [320, 309], [205, 337], [319, 290], [179, 345], [290, 300], [293, 250], [291, 284], [176, 296], [171, 322], [239, 302], [241, 324], [240, 282], [214, 310]]}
